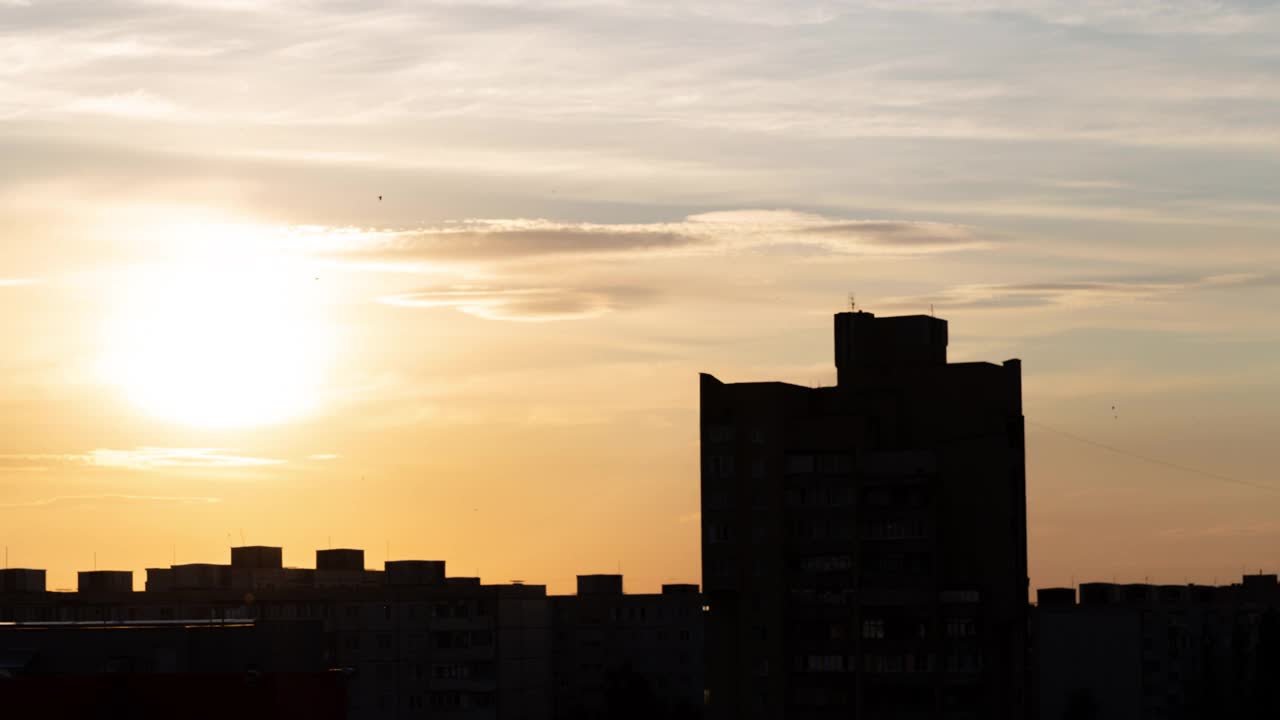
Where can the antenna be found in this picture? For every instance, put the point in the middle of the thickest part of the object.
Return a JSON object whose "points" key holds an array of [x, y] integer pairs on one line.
{"points": [[853, 301], [931, 310], [242, 536]]}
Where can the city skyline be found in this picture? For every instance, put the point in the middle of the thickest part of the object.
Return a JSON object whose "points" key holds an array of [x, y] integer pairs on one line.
{"points": [[437, 279]]}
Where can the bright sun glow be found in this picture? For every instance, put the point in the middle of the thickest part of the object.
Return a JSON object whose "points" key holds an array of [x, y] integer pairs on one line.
{"points": [[224, 339]]}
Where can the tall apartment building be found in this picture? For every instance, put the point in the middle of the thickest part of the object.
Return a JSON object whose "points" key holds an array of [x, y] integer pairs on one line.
{"points": [[864, 545]]}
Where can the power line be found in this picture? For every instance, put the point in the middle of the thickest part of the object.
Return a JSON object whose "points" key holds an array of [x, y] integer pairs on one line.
{"points": [[1153, 460]]}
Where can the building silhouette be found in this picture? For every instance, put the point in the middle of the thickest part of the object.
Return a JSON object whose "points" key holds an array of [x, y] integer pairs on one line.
{"points": [[617, 656], [864, 545], [1159, 651], [407, 641]]}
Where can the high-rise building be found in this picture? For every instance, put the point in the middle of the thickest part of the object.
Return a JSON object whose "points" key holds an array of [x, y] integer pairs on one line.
{"points": [[864, 545]]}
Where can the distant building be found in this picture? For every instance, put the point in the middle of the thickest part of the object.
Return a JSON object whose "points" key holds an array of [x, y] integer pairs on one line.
{"points": [[22, 580], [864, 545], [105, 581], [618, 656], [1159, 651], [408, 641]]}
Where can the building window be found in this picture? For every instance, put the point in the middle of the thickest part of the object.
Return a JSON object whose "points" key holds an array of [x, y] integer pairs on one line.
{"points": [[446, 700], [800, 464], [835, 463], [451, 672], [873, 629], [961, 628], [720, 433], [717, 533], [825, 663], [724, 466]]}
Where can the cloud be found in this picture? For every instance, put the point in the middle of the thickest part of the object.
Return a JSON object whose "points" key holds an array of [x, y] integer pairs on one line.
{"points": [[1221, 532], [725, 232], [137, 104], [72, 500], [156, 458], [1074, 293], [531, 304], [31, 462], [508, 239], [323, 456], [143, 458], [1212, 17], [16, 282]]}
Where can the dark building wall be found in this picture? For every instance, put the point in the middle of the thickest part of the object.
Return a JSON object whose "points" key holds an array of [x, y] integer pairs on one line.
{"points": [[626, 656], [406, 646], [22, 580], [257, 557], [340, 559], [104, 581], [415, 572], [1160, 651], [864, 545], [231, 648], [191, 696]]}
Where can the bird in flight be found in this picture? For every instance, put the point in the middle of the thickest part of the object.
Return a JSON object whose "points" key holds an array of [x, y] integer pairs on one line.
{"points": [[379, 198]]}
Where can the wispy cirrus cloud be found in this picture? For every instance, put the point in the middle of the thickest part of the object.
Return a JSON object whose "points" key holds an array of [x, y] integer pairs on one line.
{"points": [[531, 304], [159, 458], [111, 499], [725, 232], [1075, 293], [515, 239], [137, 104], [142, 458]]}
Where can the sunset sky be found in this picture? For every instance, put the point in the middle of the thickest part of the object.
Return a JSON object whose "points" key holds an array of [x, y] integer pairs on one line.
{"points": [[214, 329]]}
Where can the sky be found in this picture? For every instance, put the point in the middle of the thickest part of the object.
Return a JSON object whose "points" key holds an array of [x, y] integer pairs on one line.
{"points": [[435, 279]]}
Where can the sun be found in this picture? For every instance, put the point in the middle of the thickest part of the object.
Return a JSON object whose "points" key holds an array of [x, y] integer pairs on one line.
{"points": [[220, 340]]}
